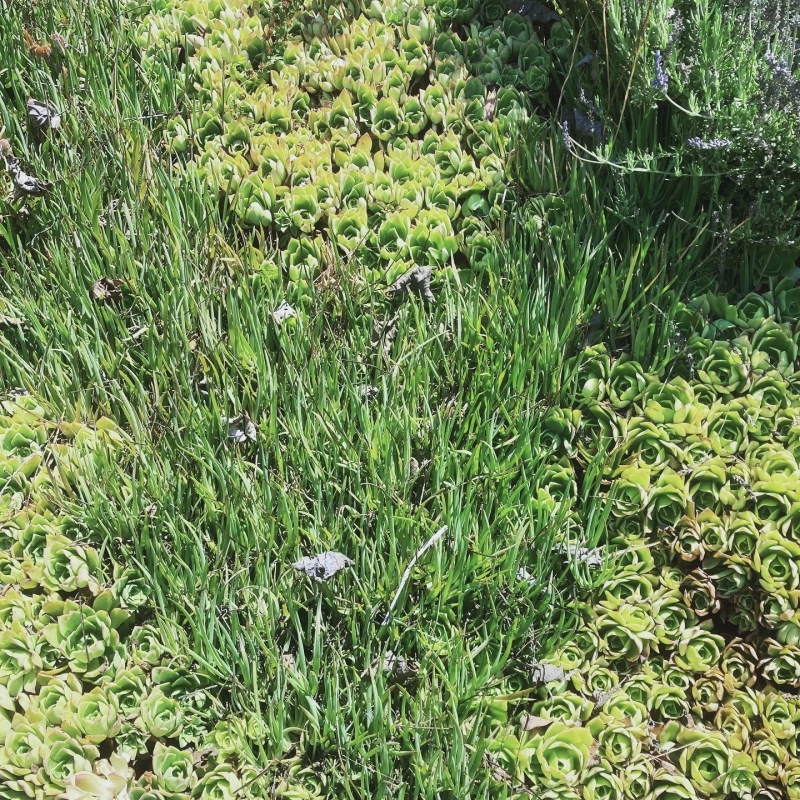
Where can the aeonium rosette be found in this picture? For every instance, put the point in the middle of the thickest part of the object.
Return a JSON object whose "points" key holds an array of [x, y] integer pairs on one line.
{"points": [[432, 239], [774, 348], [560, 754], [626, 383]]}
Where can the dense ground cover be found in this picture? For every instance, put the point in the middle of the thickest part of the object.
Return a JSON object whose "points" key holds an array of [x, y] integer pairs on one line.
{"points": [[591, 383]]}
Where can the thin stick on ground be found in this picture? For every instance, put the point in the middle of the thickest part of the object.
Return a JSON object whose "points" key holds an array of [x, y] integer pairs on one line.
{"points": [[407, 574]]}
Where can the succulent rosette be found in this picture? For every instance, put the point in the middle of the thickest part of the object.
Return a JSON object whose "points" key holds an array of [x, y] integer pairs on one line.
{"points": [[560, 755], [626, 383], [672, 617], [699, 649], [777, 562], [668, 501], [724, 369], [161, 715], [173, 769], [774, 348]]}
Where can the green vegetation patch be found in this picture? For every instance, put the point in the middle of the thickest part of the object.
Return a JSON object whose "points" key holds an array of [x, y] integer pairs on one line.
{"points": [[379, 131], [92, 704], [682, 679]]}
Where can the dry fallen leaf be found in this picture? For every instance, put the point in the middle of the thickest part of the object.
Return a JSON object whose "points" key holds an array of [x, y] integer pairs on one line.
{"points": [[546, 673], [42, 115], [490, 104], [36, 49], [288, 660], [386, 333], [283, 312], [107, 289], [592, 558], [368, 393], [25, 185], [241, 429], [417, 280], [398, 668], [530, 722], [323, 566]]}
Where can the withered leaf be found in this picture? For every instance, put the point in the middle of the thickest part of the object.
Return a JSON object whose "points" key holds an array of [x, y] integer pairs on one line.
{"points": [[288, 660], [530, 722], [535, 12], [385, 333], [593, 558], [283, 312], [368, 393], [417, 280], [398, 668], [324, 566], [546, 673], [42, 115], [241, 429], [490, 104], [107, 289], [11, 322], [25, 185]]}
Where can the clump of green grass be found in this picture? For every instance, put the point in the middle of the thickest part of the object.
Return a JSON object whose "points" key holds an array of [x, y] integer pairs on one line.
{"points": [[462, 393]]}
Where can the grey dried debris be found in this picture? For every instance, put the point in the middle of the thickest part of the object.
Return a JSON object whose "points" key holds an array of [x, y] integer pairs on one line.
{"points": [[535, 12], [524, 576], [24, 185], [546, 673], [283, 312], [107, 289], [586, 124], [324, 566], [415, 466], [367, 392], [386, 333], [530, 722], [241, 429], [490, 104], [42, 116], [398, 668], [288, 660], [593, 558], [417, 280]]}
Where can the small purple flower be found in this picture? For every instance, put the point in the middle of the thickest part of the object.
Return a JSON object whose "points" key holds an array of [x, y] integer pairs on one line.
{"points": [[565, 134], [661, 79], [709, 144]]}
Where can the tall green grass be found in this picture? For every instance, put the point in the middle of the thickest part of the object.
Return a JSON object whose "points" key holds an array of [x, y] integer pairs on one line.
{"points": [[593, 249], [463, 391]]}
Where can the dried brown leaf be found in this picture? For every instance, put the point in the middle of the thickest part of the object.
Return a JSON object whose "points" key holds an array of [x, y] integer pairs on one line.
{"points": [[530, 722], [107, 290], [490, 104]]}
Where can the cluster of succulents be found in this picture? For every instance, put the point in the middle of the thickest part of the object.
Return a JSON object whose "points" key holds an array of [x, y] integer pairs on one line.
{"points": [[379, 131], [682, 681], [86, 694]]}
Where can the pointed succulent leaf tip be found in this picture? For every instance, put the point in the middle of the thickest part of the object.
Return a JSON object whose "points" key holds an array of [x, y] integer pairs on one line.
{"points": [[324, 566]]}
